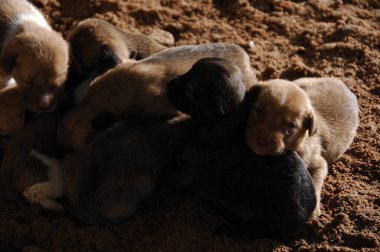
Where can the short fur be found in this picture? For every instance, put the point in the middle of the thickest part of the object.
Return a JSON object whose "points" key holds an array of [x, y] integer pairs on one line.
{"points": [[32, 53], [11, 110], [317, 118], [106, 181], [140, 88], [30, 167], [272, 197], [96, 46]]}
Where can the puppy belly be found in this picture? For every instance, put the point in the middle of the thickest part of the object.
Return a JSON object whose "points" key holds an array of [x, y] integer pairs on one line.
{"points": [[44, 192]]}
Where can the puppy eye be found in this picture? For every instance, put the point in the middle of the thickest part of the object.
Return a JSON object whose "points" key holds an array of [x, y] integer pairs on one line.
{"points": [[291, 125]]}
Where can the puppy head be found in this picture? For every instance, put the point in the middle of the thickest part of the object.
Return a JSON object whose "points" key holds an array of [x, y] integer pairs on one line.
{"points": [[39, 67], [209, 90], [95, 47], [280, 117], [11, 111]]}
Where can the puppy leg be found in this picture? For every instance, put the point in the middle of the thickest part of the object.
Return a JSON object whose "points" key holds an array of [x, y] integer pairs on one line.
{"points": [[318, 170], [43, 193]]}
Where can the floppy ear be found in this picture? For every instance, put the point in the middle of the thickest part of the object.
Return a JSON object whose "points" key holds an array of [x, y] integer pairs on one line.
{"points": [[311, 124], [109, 58], [9, 56]]}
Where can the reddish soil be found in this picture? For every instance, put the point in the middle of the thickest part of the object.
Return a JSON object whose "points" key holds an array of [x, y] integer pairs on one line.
{"points": [[291, 39]]}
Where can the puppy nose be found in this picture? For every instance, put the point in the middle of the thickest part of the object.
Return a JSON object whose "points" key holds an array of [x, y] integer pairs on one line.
{"points": [[45, 103]]}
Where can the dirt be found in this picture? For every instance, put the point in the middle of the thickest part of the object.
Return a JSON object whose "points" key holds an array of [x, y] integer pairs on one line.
{"points": [[290, 39]]}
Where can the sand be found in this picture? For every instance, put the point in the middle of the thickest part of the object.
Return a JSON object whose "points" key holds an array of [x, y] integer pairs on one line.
{"points": [[285, 39]]}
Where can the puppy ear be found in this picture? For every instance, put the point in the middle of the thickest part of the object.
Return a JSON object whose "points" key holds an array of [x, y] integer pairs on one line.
{"points": [[311, 124], [108, 58], [9, 56]]}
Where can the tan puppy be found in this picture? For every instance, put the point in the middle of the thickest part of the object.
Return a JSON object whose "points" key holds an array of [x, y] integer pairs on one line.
{"points": [[11, 110], [140, 88], [317, 118], [32, 53], [95, 44]]}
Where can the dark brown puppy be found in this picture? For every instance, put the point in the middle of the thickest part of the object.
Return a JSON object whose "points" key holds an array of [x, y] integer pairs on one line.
{"points": [[30, 167], [316, 117], [106, 181], [11, 110], [272, 196], [140, 88]]}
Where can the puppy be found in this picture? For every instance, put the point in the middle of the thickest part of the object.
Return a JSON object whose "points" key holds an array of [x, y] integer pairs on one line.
{"points": [[97, 46], [30, 168], [106, 181], [31, 53], [140, 88], [272, 197], [317, 118]]}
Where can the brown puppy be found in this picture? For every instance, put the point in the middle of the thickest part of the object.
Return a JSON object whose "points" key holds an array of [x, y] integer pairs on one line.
{"points": [[97, 46], [140, 88], [106, 181], [317, 118], [30, 167], [31, 53]]}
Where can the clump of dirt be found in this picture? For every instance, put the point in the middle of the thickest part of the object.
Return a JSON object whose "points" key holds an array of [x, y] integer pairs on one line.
{"points": [[285, 39]]}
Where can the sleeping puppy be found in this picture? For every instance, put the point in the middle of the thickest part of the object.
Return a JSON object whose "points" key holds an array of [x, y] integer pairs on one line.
{"points": [[317, 118], [272, 197], [31, 53], [97, 46], [106, 181], [140, 88], [30, 168]]}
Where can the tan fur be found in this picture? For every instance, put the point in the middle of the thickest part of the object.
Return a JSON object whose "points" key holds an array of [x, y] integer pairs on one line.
{"points": [[11, 110], [92, 35], [33, 54], [140, 88], [317, 118]]}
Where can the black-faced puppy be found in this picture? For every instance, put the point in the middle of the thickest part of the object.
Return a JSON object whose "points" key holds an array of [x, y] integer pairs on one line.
{"points": [[140, 88], [30, 168], [106, 181], [273, 196], [32, 53], [317, 118]]}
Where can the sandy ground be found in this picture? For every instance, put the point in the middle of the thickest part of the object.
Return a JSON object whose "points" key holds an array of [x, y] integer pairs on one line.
{"points": [[291, 39]]}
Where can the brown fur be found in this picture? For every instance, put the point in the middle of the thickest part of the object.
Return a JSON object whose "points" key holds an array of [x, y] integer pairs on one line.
{"points": [[106, 181], [317, 118], [140, 88], [95, 42], [11, 110], [29, 168], [36, 57]]}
